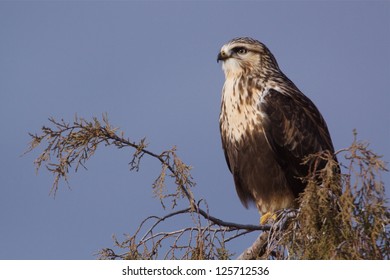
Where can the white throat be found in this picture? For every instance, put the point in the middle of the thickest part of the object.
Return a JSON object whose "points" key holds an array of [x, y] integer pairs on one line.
{"points": [[232, 68]]}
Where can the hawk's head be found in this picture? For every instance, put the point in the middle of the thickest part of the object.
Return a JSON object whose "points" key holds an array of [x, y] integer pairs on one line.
{"points": [[245, 55]]}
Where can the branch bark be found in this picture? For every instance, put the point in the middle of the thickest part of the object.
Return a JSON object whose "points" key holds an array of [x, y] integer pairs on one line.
{"points": [[257, 249]]}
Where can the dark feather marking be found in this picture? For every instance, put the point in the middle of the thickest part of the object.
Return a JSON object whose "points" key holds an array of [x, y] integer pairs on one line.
{"points": [[240, 85], [250, 93]]}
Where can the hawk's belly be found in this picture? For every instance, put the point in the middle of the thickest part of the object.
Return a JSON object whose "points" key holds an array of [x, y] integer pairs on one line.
{"points": [[257, 175]]}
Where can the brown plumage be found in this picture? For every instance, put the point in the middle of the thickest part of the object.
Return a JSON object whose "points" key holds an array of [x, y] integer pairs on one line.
{"points": [[267, 127]]}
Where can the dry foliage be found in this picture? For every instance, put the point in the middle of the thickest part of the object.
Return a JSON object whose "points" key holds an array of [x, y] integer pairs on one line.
{"points": [[342, 216]]}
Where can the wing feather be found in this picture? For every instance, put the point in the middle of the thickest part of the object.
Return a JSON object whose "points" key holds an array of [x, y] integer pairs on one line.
{"points": [[294, 129]]}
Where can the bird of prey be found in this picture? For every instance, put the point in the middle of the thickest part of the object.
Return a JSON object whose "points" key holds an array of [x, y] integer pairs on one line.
{"points": [[268, 126]]}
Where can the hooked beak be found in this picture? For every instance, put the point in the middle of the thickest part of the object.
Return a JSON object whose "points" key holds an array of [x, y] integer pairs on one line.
{"points": [[222, 56]]}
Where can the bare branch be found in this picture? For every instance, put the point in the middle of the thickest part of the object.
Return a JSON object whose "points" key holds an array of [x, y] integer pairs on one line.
{"points": [[256, 249], [74, 144]]}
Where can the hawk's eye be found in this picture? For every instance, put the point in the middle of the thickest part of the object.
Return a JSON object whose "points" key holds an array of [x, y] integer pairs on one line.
{"points": [[241, 50]]}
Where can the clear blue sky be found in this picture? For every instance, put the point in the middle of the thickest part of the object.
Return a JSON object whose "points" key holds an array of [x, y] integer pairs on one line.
{"points": [[152, 67]]}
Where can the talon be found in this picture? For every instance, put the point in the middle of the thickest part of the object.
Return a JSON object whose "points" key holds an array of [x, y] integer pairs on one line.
{"points": [[267, 217]]}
